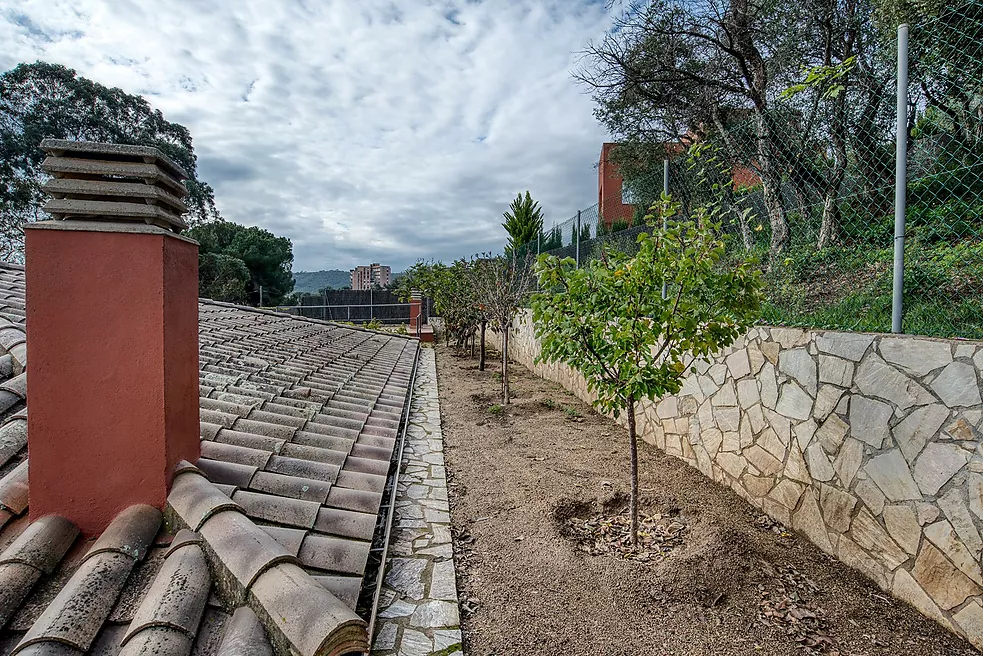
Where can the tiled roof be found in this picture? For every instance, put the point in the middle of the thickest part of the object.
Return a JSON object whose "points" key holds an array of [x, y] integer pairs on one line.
{"points": [[275, 521]]}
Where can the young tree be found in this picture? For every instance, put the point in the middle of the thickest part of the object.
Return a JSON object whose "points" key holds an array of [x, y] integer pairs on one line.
{"points": [[610, 321], [503, 284], [523, 221]]}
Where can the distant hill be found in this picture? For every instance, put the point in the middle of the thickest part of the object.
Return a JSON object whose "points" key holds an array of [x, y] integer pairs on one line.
{"points": [[314, 281]]}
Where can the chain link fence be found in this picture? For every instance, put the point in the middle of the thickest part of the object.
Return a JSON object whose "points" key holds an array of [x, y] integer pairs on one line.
{"points": [[809, 186]]}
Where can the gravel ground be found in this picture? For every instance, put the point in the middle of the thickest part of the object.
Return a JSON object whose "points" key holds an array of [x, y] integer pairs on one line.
{"points": [[524, 477]]}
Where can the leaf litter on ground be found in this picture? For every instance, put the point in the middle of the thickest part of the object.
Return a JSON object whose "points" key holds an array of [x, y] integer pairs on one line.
{"points": [[786, 604], [602, 534]]}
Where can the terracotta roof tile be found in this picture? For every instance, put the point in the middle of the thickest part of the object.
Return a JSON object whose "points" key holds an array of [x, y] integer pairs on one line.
{"points": [[233, 453], [183, 538], [242, 547], [11, 336], [365, 452], [130, 533], [356, 500], [381, 442], [246, 402], [244, 636], [373, 466], [13, 439], [42, 544], [308, 617], [346, 523], [334, 554], [324, 441], [320, 471], [17, 385], [313, 453], [196, 500], [13, 490], [279, 510], [295, 487], [136, 587], [359, 481], [223, 419], [277, 431], [75, 616], [176, 599], [16, 581], [227, 407], [157, 640], [250, 440], [228, 473], [289, 538], [346, 588], [209, 431]]}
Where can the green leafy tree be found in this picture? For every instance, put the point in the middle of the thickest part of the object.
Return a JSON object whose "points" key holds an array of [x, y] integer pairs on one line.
{"points": [[453, 293], [523, 221], [222, 277], [267, 258], [49, 100], [551, 240], [611, 321]]}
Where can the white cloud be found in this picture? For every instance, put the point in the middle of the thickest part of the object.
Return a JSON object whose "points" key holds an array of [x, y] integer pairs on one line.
{"points": [[369, 130]]}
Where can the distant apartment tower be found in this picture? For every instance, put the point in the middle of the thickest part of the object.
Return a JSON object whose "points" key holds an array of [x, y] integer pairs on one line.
{"points": [[365, 277]]}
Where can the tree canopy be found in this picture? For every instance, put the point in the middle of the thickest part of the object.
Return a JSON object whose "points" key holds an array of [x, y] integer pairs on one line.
{"points": [[677, 71], [523, 221], [42, 100], [234, 261]]}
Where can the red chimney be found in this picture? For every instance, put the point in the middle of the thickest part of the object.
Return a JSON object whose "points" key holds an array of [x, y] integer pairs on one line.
{"points": [[112, 315], [416, 310]]}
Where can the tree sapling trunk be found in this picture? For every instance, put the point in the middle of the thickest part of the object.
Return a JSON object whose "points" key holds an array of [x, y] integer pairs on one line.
{"points": [[505, 366], [481, 348], [633, 446]]}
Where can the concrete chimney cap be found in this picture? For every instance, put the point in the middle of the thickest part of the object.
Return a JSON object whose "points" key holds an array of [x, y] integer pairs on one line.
{"points": [[148, 154], [95, 181]]}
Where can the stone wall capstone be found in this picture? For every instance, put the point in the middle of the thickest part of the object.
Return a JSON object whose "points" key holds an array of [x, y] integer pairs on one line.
{"points": [[866, 444]]}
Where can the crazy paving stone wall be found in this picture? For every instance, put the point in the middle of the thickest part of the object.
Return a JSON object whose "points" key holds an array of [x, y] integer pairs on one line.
{"points": [[869, 445]]}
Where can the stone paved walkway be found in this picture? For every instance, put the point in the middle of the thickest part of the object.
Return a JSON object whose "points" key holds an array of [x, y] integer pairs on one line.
{"points": [[418, 612]]}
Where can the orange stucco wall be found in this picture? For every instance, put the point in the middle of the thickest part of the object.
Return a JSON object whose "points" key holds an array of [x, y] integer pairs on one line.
{"points": [[112, 321]]}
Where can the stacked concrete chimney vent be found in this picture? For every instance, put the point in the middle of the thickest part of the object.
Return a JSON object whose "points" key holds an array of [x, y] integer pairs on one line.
{"points": [[112, 306], [114, 182]]}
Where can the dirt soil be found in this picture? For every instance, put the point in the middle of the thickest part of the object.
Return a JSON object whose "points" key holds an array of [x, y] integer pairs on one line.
{"points": [[524, 477]]}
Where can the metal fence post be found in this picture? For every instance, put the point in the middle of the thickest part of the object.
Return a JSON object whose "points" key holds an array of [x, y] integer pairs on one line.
{"points": [[900, 180], [577, 251], [665, 192]]}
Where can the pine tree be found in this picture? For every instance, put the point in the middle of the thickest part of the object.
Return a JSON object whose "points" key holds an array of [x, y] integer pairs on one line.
{"points": [[523, 221]]}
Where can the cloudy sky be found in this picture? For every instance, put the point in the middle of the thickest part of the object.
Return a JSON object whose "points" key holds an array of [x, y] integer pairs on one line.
{"points": [[364, 130]]}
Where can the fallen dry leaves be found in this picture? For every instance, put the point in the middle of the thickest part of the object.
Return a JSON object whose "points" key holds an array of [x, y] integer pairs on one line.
{"points": [[786, 604], [611, 534]]}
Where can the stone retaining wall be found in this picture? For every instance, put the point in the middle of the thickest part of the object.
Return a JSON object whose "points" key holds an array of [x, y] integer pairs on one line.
{"points": [[869, 445]]}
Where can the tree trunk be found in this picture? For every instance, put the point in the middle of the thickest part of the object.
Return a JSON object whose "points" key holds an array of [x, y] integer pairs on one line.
{"points": [[771, 188], [633, 444], [481, 348], [505, 366], [829, 229]]}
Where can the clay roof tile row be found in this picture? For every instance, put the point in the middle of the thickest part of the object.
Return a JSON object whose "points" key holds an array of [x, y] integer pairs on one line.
{"points": [[299, 420]]}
